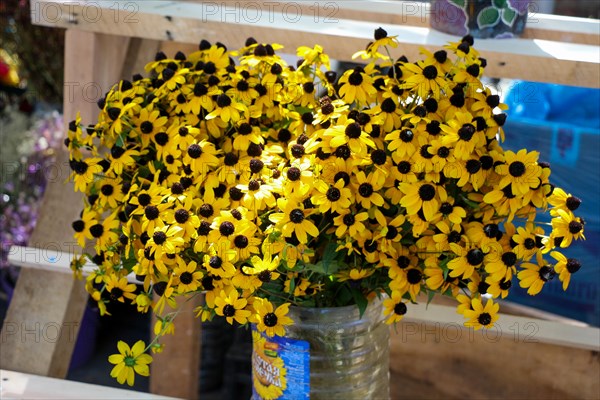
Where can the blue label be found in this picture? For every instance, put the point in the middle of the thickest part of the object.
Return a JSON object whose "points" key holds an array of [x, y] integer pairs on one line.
{"points": [[280, 367]]}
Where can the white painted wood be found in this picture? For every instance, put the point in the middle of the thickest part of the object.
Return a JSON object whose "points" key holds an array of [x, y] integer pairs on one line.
{"points": [[521, 328], [17, 385], [51, 260], [294, 20], [567, 59]]}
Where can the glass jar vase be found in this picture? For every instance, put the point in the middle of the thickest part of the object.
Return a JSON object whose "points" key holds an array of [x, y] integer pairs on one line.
{"points": [[329, 353]]}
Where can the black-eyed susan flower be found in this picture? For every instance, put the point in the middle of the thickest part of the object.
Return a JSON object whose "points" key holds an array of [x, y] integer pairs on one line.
{"points": [[352, 135], [469, 258], [351, 223], [190, 276], [84, 172], [520, 170], [167, 239], [227, 109], [118, 288], [481, 316], [293, 220], [367, 189], [269, 319], [231, 306], [105, 232], [334, 198], [425, 80], [422, 196], [394, 308], [533, 276], [568, 227], [525, 243], [130, 361], [357, 86], [462, 135], [264, 268], [565, 267]]}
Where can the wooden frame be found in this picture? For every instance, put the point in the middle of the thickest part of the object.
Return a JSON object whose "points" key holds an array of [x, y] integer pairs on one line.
{"points": [[108, 40], [18, 385], [567, 47]]}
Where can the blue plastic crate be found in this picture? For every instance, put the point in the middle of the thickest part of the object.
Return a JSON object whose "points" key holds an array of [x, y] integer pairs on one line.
{"points": [[573, 151]]}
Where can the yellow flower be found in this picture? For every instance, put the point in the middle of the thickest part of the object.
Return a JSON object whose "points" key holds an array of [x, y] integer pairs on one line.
{"points": [[119, 288], [130, 361], [357, 86], [468, 259], [566, 226], [232, 307], [534, 276], [480, 316], [189, 275], [422, 196], [520, 170], [565, 267], [352, 135], [425, 79], [227, 109], [271, 320], [394, 308], [84, 172], [335, 198], [293, 220]]}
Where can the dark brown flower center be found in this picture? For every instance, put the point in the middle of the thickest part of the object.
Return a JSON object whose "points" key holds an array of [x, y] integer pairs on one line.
{"points": [[270, 320], [297, 216], [226, 228], [426, 192], [484, 319], [475, 257], [186, 278], [400, 309], [516, 169], [228, 310]]}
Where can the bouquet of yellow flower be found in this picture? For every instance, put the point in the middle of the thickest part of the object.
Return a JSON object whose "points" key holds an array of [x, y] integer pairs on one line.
{"points": [[264, 185]]}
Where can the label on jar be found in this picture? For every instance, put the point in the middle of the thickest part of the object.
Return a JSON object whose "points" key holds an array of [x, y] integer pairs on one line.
{"points": [[280, 367]]}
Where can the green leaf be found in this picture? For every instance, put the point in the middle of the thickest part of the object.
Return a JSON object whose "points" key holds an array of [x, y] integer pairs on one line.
{"points": [[499, 3], [120, 140], [459, 3], [328, 263], [292, 285], [360, 300], [430, 296], [343, 297], [324, 268], [489, 16], [509, 16], [129, 263]]}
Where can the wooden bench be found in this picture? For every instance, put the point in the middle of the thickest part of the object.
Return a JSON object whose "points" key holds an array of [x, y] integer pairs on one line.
{"points": [[17, 385], [108, 40]]}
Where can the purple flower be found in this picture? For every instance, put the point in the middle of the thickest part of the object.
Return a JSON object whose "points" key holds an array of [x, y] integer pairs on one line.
{"points": [[519, 5], [449, 18]]}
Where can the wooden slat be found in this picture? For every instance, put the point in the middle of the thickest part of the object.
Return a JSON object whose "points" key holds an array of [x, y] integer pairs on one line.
{"points": [[564, 63], [93, 63], [175, 371], [42, 322], [16, 385], [522, 328], [439, 360], [139, 53]]}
